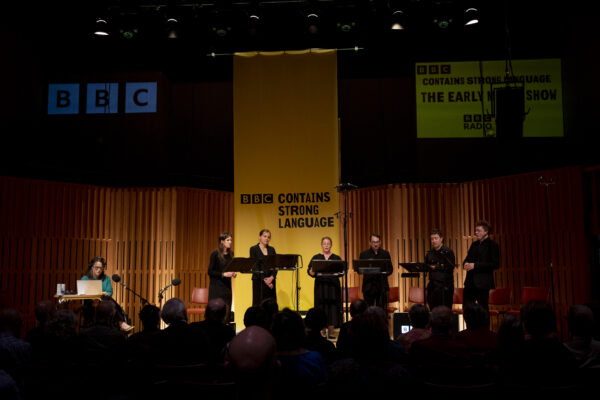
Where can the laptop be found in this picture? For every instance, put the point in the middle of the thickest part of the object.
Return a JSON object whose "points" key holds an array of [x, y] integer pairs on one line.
{"points": [[89, 286]]}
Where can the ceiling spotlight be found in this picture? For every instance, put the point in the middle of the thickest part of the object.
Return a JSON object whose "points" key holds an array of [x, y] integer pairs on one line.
{"points": [[312, 23], [172, 28], [346, 26], [101, 27], [471, 16], [442, 22], [253, 24], [221, 31], [398, 20]]}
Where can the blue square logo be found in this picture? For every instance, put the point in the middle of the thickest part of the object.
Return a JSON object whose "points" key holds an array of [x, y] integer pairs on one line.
{"points": [[63, 98], [140, 97]]}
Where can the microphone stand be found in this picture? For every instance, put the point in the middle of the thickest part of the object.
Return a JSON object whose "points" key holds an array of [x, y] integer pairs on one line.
{"points": [[144, 301], [160, 295], [547, 182], [174, 282], [345, 188]]}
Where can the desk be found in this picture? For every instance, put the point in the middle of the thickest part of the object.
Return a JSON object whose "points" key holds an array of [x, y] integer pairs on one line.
{"points": [[68, 297]]}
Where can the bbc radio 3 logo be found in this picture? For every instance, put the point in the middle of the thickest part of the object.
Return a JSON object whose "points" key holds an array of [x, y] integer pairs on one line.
{"points": [[257, 198]]}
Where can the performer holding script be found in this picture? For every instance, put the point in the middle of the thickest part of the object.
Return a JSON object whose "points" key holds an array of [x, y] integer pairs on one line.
{"points": [[440, 289], [375, 287], [263, 281], [482, 259], [328, 294]]}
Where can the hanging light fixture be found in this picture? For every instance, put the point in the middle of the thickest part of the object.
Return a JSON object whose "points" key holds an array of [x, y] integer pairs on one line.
{"points": [[471, 16]]}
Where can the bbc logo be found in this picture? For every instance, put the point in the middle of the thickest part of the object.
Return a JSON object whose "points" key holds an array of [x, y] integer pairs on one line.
{"points": [[477, 118], [102, 98], [257, 198], [434, 69]]}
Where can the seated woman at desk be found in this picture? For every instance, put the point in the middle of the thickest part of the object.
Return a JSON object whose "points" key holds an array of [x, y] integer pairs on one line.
{"points": [[328, 293], [95, 271]]}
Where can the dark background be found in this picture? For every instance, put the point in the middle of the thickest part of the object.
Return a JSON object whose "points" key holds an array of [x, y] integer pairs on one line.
{"points": [[189, 141]]}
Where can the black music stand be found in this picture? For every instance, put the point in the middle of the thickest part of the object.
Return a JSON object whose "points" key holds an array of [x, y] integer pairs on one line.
{"points": [[372, 266], [242, 265], [414, 271], [285, 262], [328, 267]]}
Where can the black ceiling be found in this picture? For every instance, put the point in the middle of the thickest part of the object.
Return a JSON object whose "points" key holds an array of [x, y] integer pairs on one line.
{"points": [[62, 31]]}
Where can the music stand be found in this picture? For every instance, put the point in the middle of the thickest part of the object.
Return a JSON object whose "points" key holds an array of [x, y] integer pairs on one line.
{"points": [[328, 267], [415, 270], [242, 265], [285, 262], [373, 266]]}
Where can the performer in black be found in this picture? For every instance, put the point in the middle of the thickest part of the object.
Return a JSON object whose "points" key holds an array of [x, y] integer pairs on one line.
{"points": [[263, 282], [375, 287], [440, 289], [220, 281], [482, 259], [328, 294]]}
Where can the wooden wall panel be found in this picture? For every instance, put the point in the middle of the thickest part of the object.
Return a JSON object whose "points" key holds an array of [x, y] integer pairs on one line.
{"points": [[49, 231], [516, 208], [202, 215]]}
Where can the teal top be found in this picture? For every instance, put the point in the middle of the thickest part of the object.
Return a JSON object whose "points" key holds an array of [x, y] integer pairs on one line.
{"points": [[106, 284]]}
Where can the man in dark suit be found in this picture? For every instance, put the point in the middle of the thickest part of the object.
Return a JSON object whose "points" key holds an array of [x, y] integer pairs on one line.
{"points": [[375, 287], [481, 261]]}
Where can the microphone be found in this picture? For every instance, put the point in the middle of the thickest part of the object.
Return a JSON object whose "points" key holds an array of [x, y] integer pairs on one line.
{"points": [[174, 282], [117, 279]]}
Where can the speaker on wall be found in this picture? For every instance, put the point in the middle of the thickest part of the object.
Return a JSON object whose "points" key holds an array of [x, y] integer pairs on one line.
{"points": [[510, 112]]}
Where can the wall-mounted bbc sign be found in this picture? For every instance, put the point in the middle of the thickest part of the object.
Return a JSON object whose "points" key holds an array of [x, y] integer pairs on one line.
{"points": [[102, 98]]}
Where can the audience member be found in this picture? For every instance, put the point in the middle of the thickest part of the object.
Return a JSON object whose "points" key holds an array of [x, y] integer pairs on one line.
{"points": [[178, 344], [218, 332], [543, 361], [343, 344], [581, 345], [440, 358], [419, 319], [141, 344], [102, 344], [478, 336], [301, 369], [8, 387], [511, 338], [316, 321], [256, 316], [270, 306], [44, 311], [374, 364], [18, 351], [251, 359]]}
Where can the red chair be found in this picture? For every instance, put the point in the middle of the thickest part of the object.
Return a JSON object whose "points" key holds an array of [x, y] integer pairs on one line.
{"points": [[200, 297], [393, 297], [416, 295], [457, 299], [499, 297], [529, 293]]}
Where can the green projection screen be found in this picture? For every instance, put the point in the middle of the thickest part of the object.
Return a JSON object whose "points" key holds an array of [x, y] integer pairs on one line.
{"points": [[449, 97]]}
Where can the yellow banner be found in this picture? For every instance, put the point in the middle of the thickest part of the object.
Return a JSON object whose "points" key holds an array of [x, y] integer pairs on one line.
{"points": [[449, 97], [286, 163]]}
